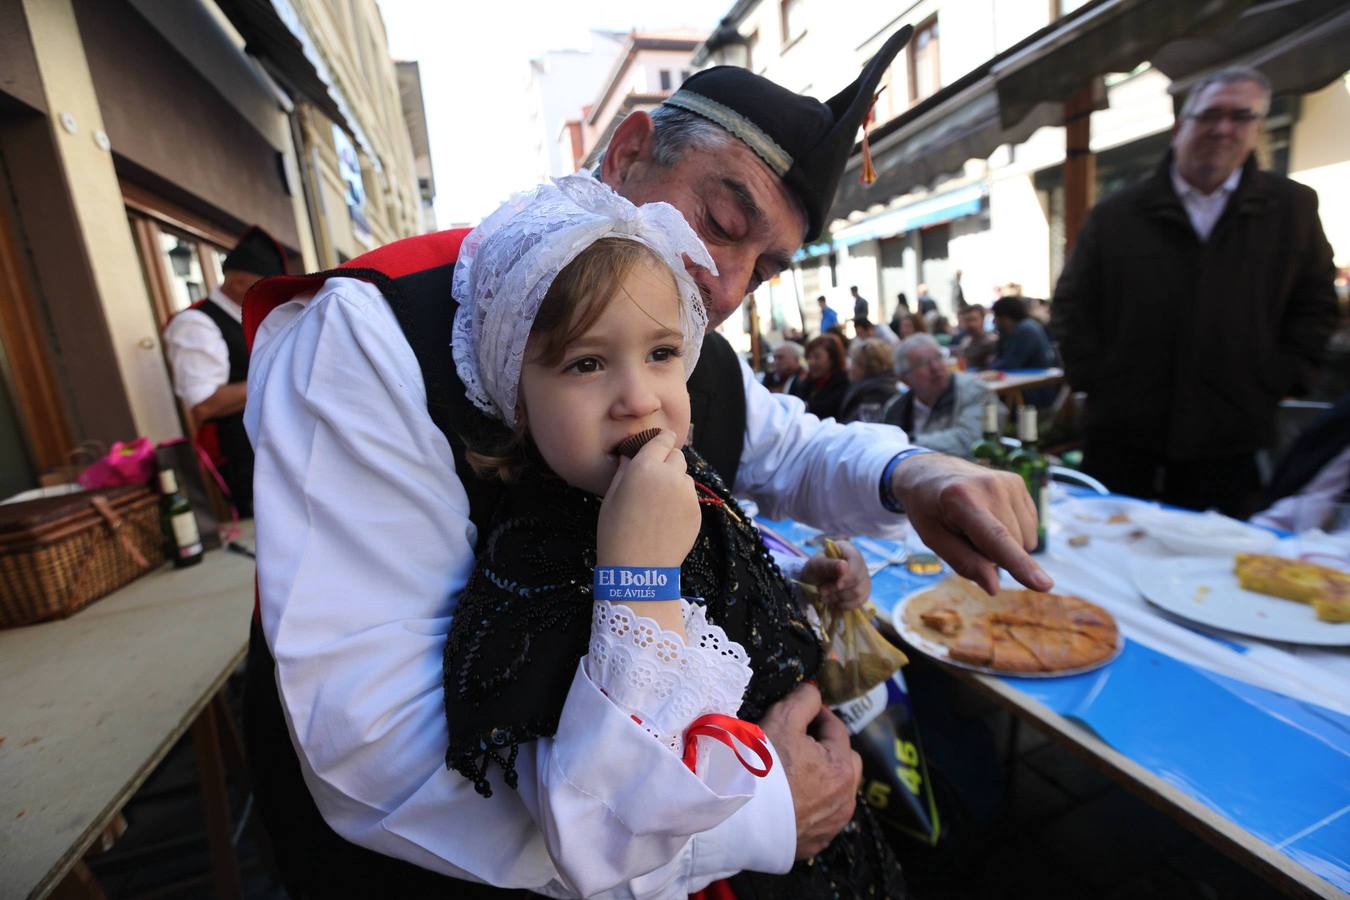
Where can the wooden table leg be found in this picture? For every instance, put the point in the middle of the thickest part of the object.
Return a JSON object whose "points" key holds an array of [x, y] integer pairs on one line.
{"points": [[216, 802]]}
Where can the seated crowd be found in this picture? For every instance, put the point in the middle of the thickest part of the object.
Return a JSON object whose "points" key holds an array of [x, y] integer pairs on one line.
{"points": [[915, 372]]}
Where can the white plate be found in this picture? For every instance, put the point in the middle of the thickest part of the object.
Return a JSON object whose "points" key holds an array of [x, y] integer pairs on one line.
{"points": [[1203, 534], [940, 651], [1092, 515], [1204, 589]]}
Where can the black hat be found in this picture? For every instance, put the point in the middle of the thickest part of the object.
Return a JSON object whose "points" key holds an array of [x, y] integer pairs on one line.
{"points": [[805, 142], [257, 252]]}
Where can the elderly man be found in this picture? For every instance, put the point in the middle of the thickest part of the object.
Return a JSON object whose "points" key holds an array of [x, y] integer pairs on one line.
{"points": [[1192, 304], [787, 368], [368, 522], [942, 409]]}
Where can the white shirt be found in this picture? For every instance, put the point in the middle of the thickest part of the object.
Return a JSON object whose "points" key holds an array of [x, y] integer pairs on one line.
{"points": [[364, 544], [197, 353], [1204, 209], [1312, 505], [921, 413]]}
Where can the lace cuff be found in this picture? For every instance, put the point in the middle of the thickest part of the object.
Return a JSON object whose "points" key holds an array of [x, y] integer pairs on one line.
{"points": [[662, 680]]}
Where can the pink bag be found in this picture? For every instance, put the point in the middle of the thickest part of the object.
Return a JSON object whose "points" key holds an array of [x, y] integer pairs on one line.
{"points": [[129, 462]]}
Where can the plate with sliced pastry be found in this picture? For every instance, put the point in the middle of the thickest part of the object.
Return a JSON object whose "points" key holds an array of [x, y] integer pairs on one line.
{"points": [[1257, 594], [1015, 632]]}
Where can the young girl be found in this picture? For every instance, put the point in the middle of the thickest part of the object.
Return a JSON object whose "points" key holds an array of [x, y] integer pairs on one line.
{"points": [[577, 327]]}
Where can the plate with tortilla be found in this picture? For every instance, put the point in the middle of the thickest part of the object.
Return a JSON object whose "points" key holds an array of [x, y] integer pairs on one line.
{"points": [[1022, 633]]}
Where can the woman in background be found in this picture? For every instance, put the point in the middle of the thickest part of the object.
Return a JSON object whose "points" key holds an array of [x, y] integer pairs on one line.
{"points": [[871, 381], [825, 383]]}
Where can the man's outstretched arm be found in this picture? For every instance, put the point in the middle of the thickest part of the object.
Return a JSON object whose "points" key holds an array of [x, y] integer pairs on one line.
{"points": [[829, 476]]}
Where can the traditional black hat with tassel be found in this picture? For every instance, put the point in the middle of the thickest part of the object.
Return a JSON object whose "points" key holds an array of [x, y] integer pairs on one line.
{"points": [[805, 142]]}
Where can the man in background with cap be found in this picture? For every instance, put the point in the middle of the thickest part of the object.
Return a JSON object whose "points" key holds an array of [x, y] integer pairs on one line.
{"points": [[357, 585], [209, 359]]}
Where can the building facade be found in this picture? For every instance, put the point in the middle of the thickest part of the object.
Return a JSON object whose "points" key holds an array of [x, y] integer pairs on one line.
{"points": [[562, 84], [648, 68], [415, 117], [997, 219], [138, 140]]}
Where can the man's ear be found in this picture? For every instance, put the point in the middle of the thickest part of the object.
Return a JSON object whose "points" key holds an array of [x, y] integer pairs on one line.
{"points": [[630, 145]]}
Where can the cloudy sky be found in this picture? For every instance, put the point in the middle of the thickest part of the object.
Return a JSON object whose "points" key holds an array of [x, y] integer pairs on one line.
{"points": [[475, 62]]}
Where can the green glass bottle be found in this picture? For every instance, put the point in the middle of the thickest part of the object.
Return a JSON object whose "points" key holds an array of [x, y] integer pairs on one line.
{"points": [[1028, 462], [183, 541], [988, 450]]}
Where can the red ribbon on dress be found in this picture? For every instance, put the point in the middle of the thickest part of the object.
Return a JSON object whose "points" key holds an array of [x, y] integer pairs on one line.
{"points": [[729, 731]]}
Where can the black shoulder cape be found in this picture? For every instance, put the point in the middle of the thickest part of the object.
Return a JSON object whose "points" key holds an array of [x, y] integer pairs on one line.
{"points": [[524, 622]]}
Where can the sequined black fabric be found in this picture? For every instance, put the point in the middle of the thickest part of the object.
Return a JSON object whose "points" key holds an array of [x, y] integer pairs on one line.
{"points": [[524, 622]]}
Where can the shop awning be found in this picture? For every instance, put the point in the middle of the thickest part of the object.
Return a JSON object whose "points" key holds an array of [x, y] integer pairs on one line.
{"points": [[1300, 45], [966, 201], [275, 34], [1022, 89]]}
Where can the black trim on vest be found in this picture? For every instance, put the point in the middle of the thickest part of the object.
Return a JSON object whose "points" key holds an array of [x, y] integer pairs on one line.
{"points": [[237, 468], [717, 407]]}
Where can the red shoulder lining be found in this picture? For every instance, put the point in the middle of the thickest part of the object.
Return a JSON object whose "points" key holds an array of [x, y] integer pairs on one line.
{"points": [[414, 254]]}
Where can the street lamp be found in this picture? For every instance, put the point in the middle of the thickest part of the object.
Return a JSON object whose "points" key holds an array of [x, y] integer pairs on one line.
{"points": [[180, 258]]}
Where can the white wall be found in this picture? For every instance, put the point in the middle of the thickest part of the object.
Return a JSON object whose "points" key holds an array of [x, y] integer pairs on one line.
{"points": [[1320, 158], [1021, 251]]}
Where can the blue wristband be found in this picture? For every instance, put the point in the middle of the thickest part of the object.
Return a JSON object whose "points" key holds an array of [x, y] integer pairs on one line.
{"points": [[888, 499], [625, 583]]}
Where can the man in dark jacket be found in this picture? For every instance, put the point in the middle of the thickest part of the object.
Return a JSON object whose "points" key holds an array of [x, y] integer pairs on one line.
{"points": [[1023, 343], [1192, 304]]}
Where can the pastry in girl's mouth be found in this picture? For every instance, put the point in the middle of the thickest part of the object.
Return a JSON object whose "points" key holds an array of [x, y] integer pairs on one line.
{"points": [[630, 445]]}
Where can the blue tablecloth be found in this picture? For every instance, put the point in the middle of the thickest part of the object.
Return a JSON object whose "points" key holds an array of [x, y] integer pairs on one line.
{"points": [[1276, 766]]}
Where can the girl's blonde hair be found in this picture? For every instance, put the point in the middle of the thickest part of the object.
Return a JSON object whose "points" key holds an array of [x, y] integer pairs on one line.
{"points": [[582, 291]]}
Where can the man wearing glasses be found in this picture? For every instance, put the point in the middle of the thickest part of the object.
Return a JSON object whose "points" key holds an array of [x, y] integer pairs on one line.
{"points": [[1193, 302]]}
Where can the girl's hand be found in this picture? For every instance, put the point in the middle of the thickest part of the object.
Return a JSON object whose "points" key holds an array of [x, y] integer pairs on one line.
{"points": [[650, 514], [843, 583]]}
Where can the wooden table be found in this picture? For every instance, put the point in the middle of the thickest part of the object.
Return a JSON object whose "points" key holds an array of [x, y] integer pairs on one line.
{"points": [[1011, 385], [93, 703]]}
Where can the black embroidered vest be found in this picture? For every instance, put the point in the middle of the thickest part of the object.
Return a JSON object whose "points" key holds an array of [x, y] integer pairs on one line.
{"points": [[237, 467]]}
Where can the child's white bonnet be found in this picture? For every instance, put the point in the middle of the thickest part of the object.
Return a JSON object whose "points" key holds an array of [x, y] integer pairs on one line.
{"points": [[508, 262]]}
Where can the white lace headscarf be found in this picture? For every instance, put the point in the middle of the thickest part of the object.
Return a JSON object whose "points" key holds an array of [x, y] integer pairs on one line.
{"points": [[508, 262]]}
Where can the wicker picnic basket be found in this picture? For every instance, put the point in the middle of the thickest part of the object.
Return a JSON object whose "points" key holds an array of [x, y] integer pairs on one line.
{"points": [[59, 554]]}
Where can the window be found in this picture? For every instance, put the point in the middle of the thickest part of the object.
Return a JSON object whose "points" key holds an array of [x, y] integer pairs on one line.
{"points": [[923, 61], [793, 14], [180, 254], [665, 79], [684, 75]]}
